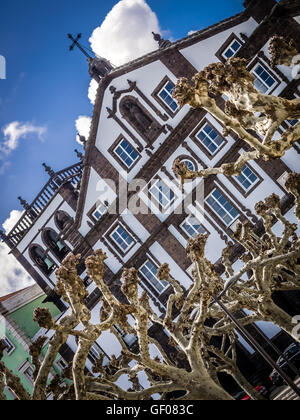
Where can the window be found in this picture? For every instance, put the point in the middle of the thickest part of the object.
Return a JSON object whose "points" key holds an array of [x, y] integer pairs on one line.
{"points": [[162, 193], [126, 153], [192, 226], [9, 347], [189, 164], [28, 371], [100, 211], [95, 353], [247, 179], [129, 339], [210, 139], [61, 363], [149, 271], [232, 49], [263, 80], [122, 238], [222, 207], [292, 123], [166, 95]]}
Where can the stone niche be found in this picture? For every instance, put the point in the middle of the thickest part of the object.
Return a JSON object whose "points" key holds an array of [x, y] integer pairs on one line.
{"points": [[140, 119]]}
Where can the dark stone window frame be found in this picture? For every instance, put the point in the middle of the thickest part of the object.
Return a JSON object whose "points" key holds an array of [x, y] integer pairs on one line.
{"points": [[155, 95], [198, 143], [160, 128], [224, 47], [112, 245], [238, 186], [117, 158], [258, 60]]}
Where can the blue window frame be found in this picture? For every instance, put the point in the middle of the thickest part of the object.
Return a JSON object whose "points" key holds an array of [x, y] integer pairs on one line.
{"points": [[192, 226], [222, 207], [166, 95], [263, 80], [210, 139], [247, 179], [122, 238], [149, 271], [126, 153], [232, 49], [162, 193]]}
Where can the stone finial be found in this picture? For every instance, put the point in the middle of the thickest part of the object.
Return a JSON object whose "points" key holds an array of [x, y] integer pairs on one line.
{"points": [[82, 139], [163, 43], [49, 170], [2, 235], [79, 155], [24, 203]]}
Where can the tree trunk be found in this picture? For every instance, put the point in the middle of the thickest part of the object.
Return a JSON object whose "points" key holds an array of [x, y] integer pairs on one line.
{"points": [[277, 316]]}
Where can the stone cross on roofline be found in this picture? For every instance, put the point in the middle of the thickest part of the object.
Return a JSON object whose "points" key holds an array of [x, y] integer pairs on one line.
{"points": [[98, 66]]}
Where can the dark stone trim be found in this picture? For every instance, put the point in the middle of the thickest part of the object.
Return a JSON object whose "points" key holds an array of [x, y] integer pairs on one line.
{"points": [[68, 194], [178, 64]]}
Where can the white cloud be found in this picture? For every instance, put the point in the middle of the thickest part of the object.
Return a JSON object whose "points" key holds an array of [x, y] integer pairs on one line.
{"points": [[15, 131], [93, 91], [125, 33], [83, 126], [191, 32], [13, 277], [14, 217]]}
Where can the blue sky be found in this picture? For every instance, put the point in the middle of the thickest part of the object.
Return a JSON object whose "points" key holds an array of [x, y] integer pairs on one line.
{"points": [[46, 85]]}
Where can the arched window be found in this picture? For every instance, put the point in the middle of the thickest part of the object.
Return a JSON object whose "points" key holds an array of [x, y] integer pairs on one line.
{"points": [[41, 259], [52, 240], [62, 219], [189, 164]]}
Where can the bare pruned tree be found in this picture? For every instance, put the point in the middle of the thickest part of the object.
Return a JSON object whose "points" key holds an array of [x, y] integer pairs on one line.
{"points": [[246, 109], [273, 264]]}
